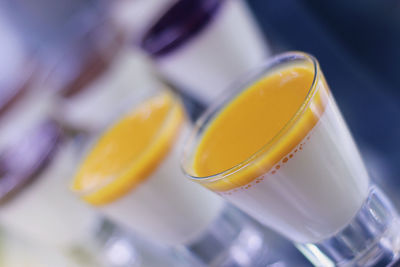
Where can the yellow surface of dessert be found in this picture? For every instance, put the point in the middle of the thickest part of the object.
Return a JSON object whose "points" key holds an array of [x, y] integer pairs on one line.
{"points": [[255, 119], [129, 151]]}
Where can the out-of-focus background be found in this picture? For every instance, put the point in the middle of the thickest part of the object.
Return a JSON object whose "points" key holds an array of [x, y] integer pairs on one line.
{"points": [[68, 65]]}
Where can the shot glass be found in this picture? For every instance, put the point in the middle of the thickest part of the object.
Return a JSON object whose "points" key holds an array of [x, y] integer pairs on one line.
{"points": [[277, 147], [131, 175]]}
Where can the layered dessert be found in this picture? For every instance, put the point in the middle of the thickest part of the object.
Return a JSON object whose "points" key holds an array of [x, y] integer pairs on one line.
{"points": [[281, 151], [202, 45], [131, 174]]}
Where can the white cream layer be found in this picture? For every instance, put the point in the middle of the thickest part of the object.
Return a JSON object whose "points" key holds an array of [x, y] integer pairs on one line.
{"points": [[314, 193], [167, 207]]}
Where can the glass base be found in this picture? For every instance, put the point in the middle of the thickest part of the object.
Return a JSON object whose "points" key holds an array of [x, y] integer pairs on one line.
{"points": [[372, 238], [107, 246], [233, 239], [116, 247]]}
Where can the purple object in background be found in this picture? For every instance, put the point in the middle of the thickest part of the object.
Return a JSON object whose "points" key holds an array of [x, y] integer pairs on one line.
{"points": [[181, 22], [201, 46], [25, 149], [21, 161]]}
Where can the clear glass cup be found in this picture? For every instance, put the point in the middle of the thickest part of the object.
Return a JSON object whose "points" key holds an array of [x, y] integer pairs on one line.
{"points": [[165, 207], [308, 182]]}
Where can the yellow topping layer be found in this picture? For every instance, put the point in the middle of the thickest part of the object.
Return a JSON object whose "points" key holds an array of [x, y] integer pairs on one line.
{"points": [[252, 120], [129, 151]]}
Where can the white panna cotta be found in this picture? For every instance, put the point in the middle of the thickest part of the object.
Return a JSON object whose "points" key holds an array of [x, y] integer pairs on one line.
{"points": [[132, 175], [281, 152], [318, 201]]}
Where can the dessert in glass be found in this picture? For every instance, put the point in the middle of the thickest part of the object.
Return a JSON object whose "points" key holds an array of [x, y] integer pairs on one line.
{"points": [[278, 148], [201, 45], [131, 175]]}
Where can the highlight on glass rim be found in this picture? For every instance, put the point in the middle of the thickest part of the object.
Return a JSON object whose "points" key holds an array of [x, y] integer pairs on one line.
{"points": [[221, 133]]}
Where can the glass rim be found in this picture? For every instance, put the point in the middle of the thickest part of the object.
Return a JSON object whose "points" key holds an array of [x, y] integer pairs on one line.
{"points": [[238, 86], [84, 192]]}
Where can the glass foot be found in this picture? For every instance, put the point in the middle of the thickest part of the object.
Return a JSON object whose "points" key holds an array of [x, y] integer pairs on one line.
{"points": [[372, 238]]}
